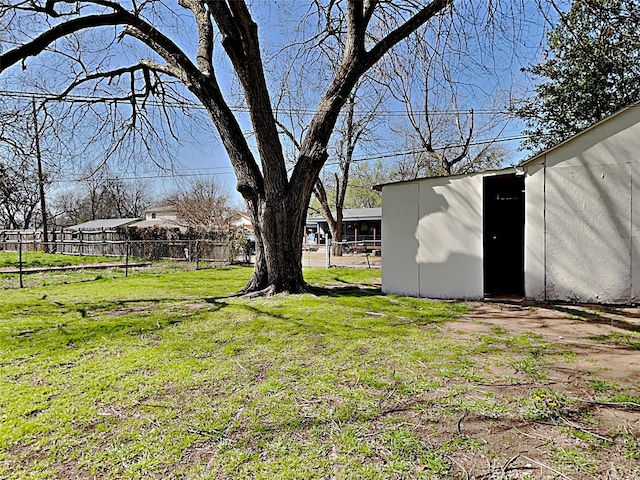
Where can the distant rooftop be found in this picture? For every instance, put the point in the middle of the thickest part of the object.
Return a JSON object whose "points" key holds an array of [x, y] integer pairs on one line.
{"points": [[158, 222], [355, 215], [161, 209], [101, 223]]}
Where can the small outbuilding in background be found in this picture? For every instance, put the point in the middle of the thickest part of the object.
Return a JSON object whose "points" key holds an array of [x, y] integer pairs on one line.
{"points": [[564, 225]]}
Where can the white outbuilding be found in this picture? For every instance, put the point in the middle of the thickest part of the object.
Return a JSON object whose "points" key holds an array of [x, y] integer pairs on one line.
{"points": [[564, 225]]}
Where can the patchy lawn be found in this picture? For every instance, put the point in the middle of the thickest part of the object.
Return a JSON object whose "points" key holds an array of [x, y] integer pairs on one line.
{"points": [[170, 376], [42, 259]]}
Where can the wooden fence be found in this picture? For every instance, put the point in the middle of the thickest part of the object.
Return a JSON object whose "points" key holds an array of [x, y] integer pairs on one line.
{"points": [[114, 243]]}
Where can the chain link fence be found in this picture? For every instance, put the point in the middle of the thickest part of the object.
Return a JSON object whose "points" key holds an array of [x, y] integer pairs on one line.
{"points": [[31, 256], [28, 254], [354, 254]]}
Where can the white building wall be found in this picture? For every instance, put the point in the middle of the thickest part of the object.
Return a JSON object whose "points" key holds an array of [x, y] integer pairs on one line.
{"points": [[449, 234], [635, 229], [582, 224], [399, 244], [589, 239], [534, 248], [432, 238]]}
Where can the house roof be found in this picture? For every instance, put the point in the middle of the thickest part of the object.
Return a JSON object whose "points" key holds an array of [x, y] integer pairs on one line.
{"points": [[157, 222], [355, 215], [242, 219], [101, 223], [161, 209]]}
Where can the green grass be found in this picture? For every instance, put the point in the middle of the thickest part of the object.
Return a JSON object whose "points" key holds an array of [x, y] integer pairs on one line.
{"points": [[42, 259], [169, 375], [630, 340], [125, 377]]}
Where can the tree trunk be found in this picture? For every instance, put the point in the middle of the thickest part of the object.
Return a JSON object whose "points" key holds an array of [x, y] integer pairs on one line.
{"points": [[43, 205], [279, 229], [335, 228]]}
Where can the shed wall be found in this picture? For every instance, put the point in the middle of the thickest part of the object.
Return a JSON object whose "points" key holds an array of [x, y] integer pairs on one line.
{"points": [[534, 225], [589, 242], [432, 238], [582, 224], [399, 243]]}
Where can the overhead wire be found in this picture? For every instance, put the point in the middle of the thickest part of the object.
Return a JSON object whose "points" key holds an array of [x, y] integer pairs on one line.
{"points": [[235, 108], [24, 95]]}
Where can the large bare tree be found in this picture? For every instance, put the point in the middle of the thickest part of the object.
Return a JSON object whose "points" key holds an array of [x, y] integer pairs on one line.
{"points": [[333, 184], [202, 204], [442, 136], [23, 177], [277, 200]]}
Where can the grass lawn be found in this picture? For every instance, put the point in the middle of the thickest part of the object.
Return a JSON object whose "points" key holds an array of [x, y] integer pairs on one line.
{"points": [[170, 376], [46, 277], [42, 259]]}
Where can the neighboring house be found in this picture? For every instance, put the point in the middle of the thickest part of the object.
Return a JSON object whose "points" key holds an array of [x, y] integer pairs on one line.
{"points": [[161, 217], [104, 224], [242, 221], [93, 236], [564, 225], [358, 224]]}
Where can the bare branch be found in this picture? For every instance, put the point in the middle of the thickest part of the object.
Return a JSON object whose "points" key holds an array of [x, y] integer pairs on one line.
{"points": [[41, 42]]}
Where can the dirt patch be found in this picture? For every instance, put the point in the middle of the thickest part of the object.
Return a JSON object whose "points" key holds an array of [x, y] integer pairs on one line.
{"points": [[575, 415], [129, 310], [601, 337]]}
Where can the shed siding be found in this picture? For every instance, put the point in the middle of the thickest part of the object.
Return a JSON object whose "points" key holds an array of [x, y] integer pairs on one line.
{"points": [[534, 250], [449, 237], [590, 244], [399, 243], [582, 224], [432, 238], [635, 229], [588, 215]]}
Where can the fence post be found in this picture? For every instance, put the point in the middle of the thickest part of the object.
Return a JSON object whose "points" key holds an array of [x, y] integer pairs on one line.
{"points": [[126, 261], [328, 256], [197, 254], [20, 258]]}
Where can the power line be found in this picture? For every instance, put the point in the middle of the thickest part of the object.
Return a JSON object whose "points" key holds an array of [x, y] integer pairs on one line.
{"points": [[226, 171], [235, 108], [421, 150], [146, 176]]}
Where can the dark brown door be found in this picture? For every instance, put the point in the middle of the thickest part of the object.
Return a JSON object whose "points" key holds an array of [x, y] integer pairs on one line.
{"points": [[503, 212]]}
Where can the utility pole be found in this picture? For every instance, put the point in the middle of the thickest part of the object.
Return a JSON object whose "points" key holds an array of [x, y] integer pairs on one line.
{"points": [[43, 204]]}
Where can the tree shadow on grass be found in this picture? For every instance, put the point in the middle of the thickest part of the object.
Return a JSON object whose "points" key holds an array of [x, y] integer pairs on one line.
{"points": [[75, 324], [314, 325], [346, 291], [220, 304]]}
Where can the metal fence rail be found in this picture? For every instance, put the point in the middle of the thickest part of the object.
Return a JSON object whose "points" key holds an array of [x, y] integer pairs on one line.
{"points": [[357, 254], [370, 247], [200, 253], [196, 253]]}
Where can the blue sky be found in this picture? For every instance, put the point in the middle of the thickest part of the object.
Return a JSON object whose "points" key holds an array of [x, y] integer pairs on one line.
{"points": [[504, 60], [200, 153]]}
